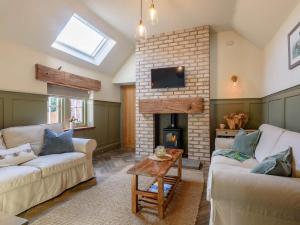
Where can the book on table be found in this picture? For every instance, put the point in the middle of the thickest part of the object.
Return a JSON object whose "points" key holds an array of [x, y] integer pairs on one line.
{"points": [[154, 188]]}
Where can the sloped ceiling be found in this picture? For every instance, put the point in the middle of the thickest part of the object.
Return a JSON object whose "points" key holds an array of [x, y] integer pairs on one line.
{"points": [[36, 23], [256, 20]]}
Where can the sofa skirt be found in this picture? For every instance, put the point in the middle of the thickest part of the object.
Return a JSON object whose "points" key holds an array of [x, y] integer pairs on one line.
{"points": [[22, 198]]}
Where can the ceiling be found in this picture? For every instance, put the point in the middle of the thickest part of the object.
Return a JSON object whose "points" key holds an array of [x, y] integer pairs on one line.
{"points": [[36, 23], [256, 20]]}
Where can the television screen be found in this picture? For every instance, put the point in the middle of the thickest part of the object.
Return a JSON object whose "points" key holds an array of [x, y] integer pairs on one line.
{"points": [[171, 77]]}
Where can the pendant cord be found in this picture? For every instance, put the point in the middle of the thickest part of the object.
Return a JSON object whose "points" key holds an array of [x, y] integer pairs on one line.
{"points": [[141, 9]]}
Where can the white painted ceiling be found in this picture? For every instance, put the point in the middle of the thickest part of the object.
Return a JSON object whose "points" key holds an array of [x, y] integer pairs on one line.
{"points": [[257, 20], [36, 23]]}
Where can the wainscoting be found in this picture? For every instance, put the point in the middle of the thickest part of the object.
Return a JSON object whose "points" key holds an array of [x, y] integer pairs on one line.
{"points": [[19, 109], [282, 109], [221, 107]]}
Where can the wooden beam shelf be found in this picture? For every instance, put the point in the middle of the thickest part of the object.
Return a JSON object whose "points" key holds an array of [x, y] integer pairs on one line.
{"points": [[172, 105], [58, 77]]}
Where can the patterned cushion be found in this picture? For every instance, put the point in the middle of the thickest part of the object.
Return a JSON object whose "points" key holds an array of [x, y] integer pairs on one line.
{"points": [[16, 156], [2, 144]]}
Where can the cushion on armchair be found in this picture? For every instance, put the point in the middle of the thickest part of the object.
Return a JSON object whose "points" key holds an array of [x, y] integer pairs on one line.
{"points": [[57, 143]]}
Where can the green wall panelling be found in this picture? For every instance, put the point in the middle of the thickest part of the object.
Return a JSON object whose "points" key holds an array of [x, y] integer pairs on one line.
{"points": [[283, 109], [1, 112], [275, 109], [292, 113], [107, 123], [221, 107], [18, 109]]}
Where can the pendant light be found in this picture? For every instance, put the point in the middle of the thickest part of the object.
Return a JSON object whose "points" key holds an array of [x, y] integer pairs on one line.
{"points": [[153, 14], [141, 31]]}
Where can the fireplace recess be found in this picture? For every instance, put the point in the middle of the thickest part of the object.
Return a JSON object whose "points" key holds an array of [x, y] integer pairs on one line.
{"points": [[170, 131]]}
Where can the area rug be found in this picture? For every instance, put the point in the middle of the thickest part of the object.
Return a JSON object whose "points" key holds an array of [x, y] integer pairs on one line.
{"points": [[109, 203]]}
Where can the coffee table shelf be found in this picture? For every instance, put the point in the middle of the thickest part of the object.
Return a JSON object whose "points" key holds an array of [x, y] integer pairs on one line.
{"points": [[148, 167]]}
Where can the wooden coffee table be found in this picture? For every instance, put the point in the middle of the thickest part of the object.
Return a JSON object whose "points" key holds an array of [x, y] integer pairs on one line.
{"points": [[157, 170]]}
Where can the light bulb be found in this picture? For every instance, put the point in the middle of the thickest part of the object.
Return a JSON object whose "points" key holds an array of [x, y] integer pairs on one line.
{"points": [[234, 79], [153, 14], [141, 31]]}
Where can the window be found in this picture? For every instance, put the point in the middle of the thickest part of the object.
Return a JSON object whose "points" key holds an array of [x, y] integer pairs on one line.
{"points": [[82, 40], [54, 110], [77, 110], [62, 110]]}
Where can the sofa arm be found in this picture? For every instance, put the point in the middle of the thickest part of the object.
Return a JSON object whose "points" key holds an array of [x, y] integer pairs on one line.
{"points": [[224, 143], [274, 196], [86, 146]]}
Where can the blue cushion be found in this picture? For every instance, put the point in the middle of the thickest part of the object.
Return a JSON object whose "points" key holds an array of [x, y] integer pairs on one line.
{"points": [[277, 165], [246, 143], [57, 143]]}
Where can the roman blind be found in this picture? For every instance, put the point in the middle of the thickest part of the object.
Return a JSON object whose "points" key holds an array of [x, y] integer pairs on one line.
{"points": [[62, 91]]}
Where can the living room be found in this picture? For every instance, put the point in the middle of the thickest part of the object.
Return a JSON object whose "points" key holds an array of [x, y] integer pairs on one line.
{"points": [[150, 112]]}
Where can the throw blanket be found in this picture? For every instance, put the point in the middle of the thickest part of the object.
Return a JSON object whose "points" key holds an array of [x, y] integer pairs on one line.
{"points": [[232, 154]]}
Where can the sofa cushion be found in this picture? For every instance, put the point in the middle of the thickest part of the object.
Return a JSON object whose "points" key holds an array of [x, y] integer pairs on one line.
{"points": [[249, 163], [286, 140], [56, 127], [246, 143], [2, 144], [51, 164], [55, 143], [12, 177], [15, 136], [16, 156], [277, 165], [269, 137]]}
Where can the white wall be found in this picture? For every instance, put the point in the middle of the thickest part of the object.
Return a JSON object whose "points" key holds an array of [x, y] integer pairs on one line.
{"points": [[17, 63], [231, 54], [126, 74], [277, 76]]}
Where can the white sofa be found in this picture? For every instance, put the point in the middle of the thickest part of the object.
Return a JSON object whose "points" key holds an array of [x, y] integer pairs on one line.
{"points": [[45, 177], [239, 197]]}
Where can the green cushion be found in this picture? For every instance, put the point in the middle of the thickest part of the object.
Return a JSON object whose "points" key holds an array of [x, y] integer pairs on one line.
{"points": [[246, 143], [277, 165]]}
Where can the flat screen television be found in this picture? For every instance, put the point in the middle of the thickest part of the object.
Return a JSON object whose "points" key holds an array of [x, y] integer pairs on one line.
{"points": [[172, 77]]}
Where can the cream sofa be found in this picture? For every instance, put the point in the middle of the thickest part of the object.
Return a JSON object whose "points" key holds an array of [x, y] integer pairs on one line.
{"points": [[239, 197], [45, 177]]}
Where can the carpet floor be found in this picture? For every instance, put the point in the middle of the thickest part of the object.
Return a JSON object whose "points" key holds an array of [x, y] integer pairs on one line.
{"points": [[109, 203]]}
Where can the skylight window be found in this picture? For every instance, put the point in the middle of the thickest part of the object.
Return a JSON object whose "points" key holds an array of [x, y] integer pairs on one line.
{"points": [[84, 41]]}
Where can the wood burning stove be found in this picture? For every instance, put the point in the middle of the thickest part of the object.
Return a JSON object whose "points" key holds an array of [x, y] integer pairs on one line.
{"points": [[172, 136]]}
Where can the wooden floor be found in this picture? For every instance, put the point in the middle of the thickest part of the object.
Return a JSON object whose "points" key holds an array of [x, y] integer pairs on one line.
{"points": [[106, 164]]}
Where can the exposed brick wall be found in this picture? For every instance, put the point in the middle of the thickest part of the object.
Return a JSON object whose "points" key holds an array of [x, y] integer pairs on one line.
{"points": [[189, 48]]}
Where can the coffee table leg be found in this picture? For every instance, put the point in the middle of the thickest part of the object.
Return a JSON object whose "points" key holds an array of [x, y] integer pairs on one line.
{"points": [[180, 168], [134, 197], [160, 197]]}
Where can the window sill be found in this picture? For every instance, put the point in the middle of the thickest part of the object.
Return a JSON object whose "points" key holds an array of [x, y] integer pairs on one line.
{"points": [[80, 128]]}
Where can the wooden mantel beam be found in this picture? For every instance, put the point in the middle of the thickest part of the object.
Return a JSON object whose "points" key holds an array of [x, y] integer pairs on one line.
{"points": [[172, 105], [58, 77]]}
